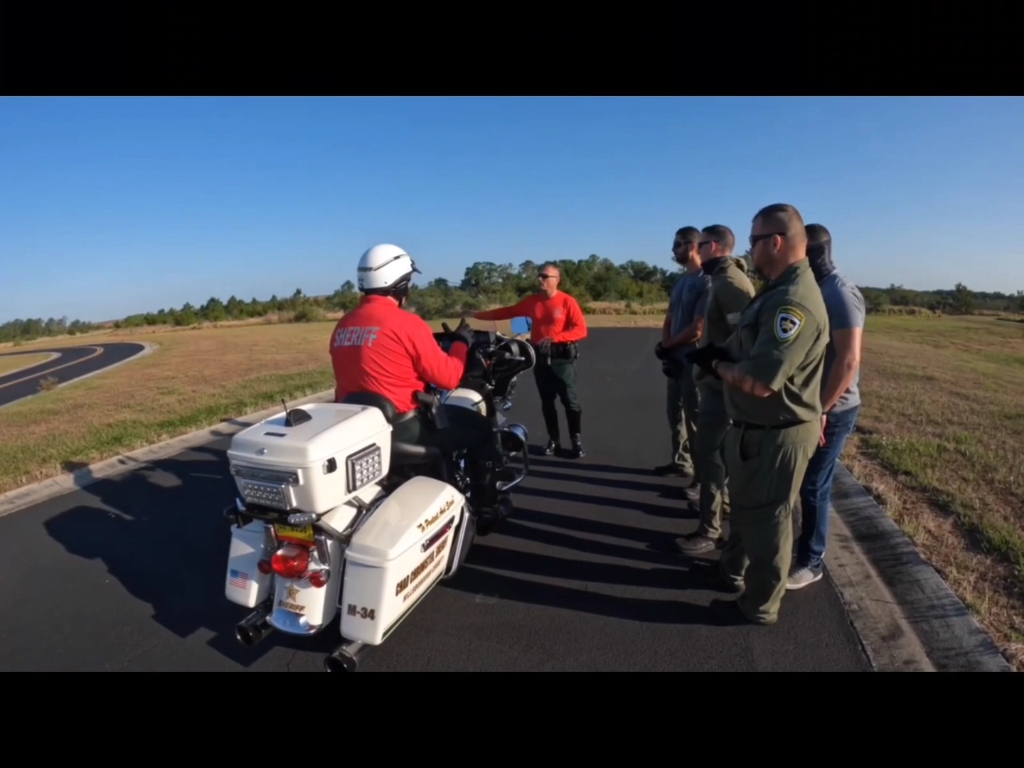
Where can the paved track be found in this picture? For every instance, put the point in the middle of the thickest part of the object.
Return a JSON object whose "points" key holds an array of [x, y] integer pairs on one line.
{"points": [[128, 574], [71, 363]]}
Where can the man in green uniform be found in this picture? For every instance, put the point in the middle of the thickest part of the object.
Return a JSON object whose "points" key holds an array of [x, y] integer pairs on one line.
{"points": [[730, 292], [773, 397]]}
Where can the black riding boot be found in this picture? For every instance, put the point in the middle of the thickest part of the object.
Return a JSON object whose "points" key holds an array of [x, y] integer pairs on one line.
{"points": [[574, 417], [551, 424], [483, 499]]}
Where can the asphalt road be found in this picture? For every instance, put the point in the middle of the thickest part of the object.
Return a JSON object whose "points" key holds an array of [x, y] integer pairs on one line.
{"points": [[128, 574], [71, 363]]}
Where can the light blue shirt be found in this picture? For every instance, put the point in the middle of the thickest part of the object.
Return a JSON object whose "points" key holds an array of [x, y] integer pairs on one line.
{"points": [[845, 306], [688, 299]]}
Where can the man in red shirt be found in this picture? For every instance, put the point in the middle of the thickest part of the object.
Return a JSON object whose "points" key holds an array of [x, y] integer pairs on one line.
{"points": [[556, 325], [381, 348]]}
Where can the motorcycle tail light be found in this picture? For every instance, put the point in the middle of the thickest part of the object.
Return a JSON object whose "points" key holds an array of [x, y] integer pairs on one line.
{"points": [[290, 561]]}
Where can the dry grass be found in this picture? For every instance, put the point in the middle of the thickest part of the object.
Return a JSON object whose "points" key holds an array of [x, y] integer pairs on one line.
{"points": [[195, 378], [940, 442], [11, 363]]}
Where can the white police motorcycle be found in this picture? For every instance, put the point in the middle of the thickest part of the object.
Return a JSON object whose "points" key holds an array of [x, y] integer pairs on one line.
{"points": [[334, 516]]}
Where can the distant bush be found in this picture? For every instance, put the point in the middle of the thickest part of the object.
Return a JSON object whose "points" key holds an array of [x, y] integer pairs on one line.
{"points": [[600, 286]]}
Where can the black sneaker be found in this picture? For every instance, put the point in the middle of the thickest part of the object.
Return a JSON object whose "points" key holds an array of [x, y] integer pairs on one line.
{"points": [[577, 448], [551, 448]]}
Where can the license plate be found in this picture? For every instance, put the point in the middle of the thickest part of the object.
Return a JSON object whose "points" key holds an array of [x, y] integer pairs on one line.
{"points": [[301, 532]]}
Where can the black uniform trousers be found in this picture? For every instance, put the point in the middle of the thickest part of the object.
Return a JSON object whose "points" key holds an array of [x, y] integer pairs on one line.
{"points": [[466, 430], [557, 379]]}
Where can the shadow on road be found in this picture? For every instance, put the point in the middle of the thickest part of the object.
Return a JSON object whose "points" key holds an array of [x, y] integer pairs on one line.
{"points": [[663, 489], [538, 459], [671, 572], [678, 512], [473, 580], [160, 532]]}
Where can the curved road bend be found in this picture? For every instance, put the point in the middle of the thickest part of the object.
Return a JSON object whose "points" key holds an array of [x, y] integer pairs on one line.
{"points": [[71, 363], [128, 573]]}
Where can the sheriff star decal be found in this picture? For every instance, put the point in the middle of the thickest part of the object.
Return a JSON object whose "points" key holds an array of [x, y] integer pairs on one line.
{"points": [[788, 322]]}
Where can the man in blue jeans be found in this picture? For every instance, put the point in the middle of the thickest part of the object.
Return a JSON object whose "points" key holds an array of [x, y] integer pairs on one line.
{"points": [[840, 400]]}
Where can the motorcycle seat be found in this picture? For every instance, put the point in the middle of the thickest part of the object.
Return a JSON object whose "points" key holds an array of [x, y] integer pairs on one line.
{"points": [[401, 453]]}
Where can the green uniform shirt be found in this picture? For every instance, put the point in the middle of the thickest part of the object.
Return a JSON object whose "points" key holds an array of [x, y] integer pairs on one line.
{"points": [[781, 342], [729, 294]]}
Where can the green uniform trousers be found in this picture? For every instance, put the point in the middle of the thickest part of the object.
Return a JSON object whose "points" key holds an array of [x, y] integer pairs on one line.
{"points": [[766, 469], [712, 424], [683, 405], [558, 380]]}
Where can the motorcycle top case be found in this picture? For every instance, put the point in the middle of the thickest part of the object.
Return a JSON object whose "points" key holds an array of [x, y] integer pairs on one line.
{"points": [[313, 466], [397, 556]]}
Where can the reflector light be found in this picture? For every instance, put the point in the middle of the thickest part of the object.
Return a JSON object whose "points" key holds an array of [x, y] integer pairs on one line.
{"points": [[265, 567], [319, 578], [364, 467], [290, 561]]}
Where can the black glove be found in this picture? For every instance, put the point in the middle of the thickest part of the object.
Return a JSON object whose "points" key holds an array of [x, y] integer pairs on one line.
{"points": [[703, 357], [673, 369], [464, 332], [660, 352], [544, 346]]}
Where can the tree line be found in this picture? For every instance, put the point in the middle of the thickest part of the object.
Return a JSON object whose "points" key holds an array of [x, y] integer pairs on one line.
{"points": [[486, 284]]}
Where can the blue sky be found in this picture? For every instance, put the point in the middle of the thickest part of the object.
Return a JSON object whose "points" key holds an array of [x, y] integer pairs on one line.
{"points": [[110, 207]]}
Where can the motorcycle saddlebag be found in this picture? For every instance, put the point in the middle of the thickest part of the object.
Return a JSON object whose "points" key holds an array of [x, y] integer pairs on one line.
{"points": [[397, 556], [244, 584]]}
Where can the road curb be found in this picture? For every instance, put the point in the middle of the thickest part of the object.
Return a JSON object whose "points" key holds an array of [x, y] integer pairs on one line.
{"points": [[29, 495], [148, 347], [913, 595]]}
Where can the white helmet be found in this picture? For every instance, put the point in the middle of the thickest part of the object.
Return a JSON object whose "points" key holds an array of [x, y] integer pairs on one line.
{"points": [[385, 267]]}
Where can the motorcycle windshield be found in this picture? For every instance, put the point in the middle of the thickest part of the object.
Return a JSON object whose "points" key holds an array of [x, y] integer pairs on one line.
{"points": [[520, 326]]}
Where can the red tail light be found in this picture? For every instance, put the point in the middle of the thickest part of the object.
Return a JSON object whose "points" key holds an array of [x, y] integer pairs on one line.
{"points": [[290, 561]]}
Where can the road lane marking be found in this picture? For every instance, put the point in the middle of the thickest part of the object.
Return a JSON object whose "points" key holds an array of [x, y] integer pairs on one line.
{"points": [[99, 351]]}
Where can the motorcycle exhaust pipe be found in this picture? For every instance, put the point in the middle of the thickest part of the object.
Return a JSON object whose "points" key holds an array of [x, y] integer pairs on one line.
{"points": [[254, 628], [344, 658]]}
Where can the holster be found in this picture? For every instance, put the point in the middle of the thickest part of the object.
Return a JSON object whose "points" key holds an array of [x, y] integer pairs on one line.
{"points": [[562, 350]]}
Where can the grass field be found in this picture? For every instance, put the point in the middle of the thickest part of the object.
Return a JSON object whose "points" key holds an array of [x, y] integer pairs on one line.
{"points": [[941, 444], [11, 363], [940, 441]]}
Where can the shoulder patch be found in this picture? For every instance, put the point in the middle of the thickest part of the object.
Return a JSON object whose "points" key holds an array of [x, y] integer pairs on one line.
{"points": [[788, 322]]}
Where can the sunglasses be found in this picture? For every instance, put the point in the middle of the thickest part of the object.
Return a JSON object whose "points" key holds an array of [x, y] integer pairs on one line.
{"points": [[545, 276], [755, 239]]}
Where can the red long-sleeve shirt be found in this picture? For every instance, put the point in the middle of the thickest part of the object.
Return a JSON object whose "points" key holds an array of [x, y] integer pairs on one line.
{"points": [[558, 318], [380, 347]]}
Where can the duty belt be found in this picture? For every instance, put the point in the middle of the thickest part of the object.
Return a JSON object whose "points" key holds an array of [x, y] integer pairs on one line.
{"points": [[561, 350], [782, 425]]}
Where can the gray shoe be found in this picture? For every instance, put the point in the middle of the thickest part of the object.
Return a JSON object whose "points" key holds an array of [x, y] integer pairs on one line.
{"points": [[801, 577], [695, 543]]}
